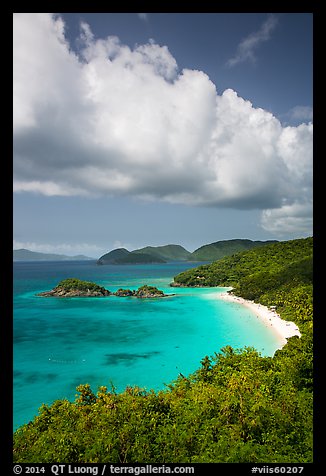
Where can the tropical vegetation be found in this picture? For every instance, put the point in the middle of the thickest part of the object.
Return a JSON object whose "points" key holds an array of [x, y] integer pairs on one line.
{"points": [[74, 284], [237, 407]]}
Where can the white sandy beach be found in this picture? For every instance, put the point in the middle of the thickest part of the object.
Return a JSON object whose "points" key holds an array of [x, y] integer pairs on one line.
{"points": [[284, 329]]}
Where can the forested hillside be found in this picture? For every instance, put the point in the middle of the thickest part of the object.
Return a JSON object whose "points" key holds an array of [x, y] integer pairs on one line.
{"points": [[219, 249], [237, 407], [228, 271]]}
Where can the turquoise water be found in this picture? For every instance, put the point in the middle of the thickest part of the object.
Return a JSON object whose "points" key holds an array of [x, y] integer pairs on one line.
{"points": [[61, 343]]}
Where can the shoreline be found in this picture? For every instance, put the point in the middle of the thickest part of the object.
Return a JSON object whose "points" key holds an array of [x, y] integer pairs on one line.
{"points": [[284, 329]]}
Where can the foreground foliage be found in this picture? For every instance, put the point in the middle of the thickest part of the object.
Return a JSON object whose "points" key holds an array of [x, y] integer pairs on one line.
{"points": [[237, 407]]}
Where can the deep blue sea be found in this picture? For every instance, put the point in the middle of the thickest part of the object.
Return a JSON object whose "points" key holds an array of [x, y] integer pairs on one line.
{"points": [[60, 343]]}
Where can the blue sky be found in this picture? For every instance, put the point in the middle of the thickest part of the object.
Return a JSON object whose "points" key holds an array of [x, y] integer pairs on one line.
{"points": [[148, 129]]}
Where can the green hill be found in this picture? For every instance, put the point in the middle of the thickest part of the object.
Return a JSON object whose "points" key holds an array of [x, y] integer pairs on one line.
{"points": [[167, 252], [219, 249], [149, 254], [113, 256], [123, 256]]}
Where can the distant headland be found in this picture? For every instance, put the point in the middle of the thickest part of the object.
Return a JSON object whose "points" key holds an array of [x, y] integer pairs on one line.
{"points": [[27, 255]]}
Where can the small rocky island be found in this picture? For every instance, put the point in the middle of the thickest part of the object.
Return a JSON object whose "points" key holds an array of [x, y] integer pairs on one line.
{"points": [[142, 292], [73, 287]]}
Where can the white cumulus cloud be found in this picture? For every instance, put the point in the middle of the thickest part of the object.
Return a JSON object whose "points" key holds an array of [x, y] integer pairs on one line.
{"points": [[120, 121]]}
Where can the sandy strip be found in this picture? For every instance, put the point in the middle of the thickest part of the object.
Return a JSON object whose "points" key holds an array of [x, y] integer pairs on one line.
{"points": [[284, 329]]}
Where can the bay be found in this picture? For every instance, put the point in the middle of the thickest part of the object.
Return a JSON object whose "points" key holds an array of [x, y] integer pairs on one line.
{"points": [[62, 343]]}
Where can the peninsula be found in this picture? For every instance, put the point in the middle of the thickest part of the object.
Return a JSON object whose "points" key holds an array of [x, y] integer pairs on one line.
{"points": [[263, 279]]}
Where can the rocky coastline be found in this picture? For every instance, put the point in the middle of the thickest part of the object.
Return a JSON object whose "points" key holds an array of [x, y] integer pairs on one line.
{"points": [[180, 285], [61, 292]]}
